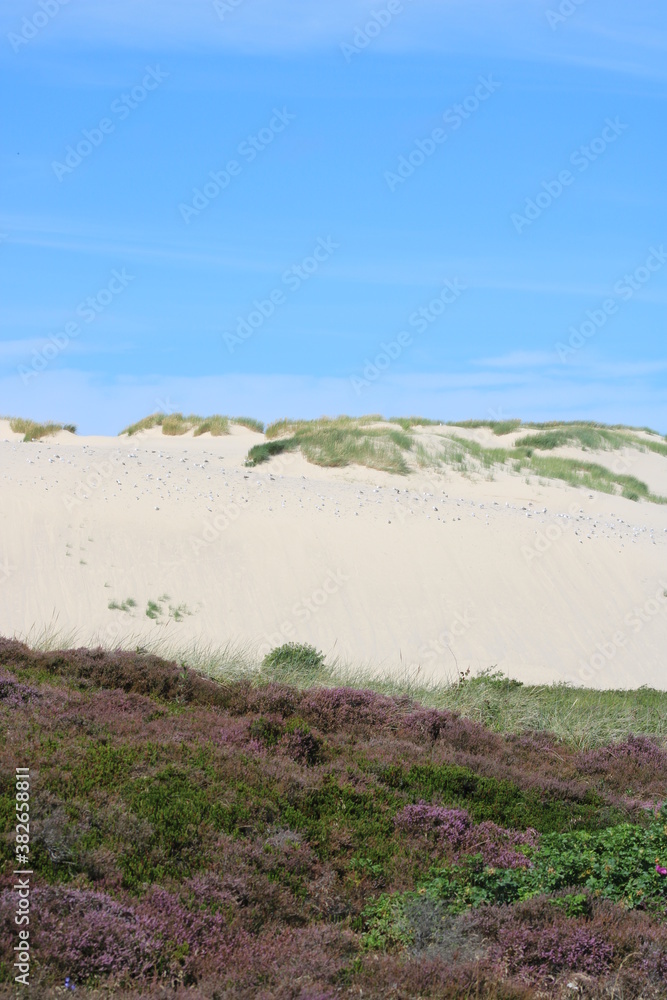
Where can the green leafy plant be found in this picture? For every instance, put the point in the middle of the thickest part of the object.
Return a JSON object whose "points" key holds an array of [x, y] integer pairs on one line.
{"points": [[294, 661], [125, 605]]}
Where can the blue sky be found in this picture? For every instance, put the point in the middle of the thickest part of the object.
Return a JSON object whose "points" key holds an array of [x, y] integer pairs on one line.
{"points": [[370, 158]]}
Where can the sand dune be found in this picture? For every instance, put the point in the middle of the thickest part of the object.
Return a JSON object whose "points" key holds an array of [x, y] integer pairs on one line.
{"points": [[541, 580]]}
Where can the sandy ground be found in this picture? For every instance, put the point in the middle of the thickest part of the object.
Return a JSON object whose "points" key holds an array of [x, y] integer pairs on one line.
{"points": [[435, 570]]}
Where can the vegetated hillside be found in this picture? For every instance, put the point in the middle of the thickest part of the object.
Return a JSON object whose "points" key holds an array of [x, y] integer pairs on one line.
{"points": [[248, 839], [405, 444]]}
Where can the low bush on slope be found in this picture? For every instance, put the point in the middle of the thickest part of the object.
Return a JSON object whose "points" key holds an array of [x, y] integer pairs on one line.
{"points": [[241, 839]]}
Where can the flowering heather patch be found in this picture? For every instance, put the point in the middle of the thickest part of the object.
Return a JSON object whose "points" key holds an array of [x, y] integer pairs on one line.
{"points": [[252, 841], [638, 750], [13, 694], [449, 825], [453, 828], [346, 708]]}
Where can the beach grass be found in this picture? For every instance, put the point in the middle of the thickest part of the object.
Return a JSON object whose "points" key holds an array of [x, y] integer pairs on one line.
{"points": [[176, 424], [502, 427], [34, 431], [339, 442], [250, 423], [391, 446], [459, 452], [581, 717]]}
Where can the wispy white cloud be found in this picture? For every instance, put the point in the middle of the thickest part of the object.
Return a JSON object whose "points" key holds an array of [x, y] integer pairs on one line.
{"points": [[520, 359], [483, 272], [633, 39], [582, 365], [627, 369], [22, 351], [14, 351]]}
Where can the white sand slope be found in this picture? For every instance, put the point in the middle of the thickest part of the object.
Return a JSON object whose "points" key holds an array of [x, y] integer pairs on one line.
{"points": [[543, 582]]}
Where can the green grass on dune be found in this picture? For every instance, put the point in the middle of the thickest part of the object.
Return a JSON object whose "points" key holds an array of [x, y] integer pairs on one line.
{"points": [[502, 427], [34, 431], [250, 423], [407, 423], [391, 446], [281, 428], [582, 436], [339, 442], [470, 456], [175, 424], [260, 453], [216, 426], [498, 427], [394, 446]]}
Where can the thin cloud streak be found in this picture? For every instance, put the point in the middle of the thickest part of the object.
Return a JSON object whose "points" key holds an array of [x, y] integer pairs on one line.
{"points": [[505, 28]]}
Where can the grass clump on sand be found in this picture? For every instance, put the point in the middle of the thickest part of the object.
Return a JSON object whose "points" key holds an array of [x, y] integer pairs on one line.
{"points": [[263, 452], [33, 431], [502, 427], [498, 427], [466, 456], [250, 423], [175, 424], [285, 427], [581, 436], [339, 442], [407, 423], [216, 426], [125, 605], [248, 837]]}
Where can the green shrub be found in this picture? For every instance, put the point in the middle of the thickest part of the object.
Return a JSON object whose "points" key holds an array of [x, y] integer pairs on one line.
{"points": [[497, 800], [618, 863], [294, 661]]}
